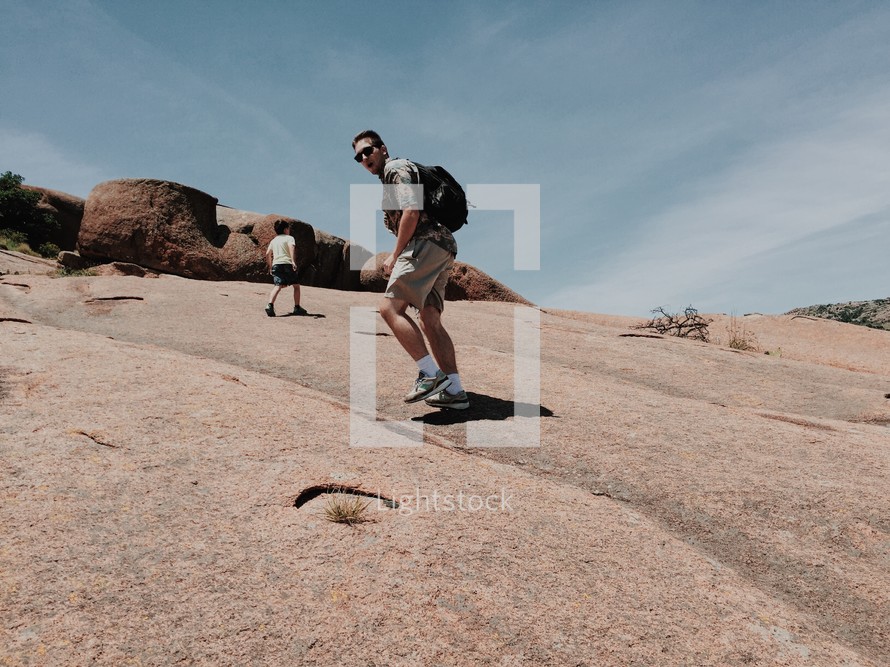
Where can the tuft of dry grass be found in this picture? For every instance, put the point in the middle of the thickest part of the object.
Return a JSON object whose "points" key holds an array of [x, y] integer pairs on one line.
{"points": [[343, 507], [740, 338]]}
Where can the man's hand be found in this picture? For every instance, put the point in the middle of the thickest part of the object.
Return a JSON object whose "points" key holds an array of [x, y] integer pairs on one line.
{"points": [[388, 263]]}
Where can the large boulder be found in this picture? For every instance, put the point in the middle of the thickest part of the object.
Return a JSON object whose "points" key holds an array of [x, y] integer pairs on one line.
{"points": [[157, 224], [239, 222], [371, 277], [244, 254], [304, 236], [353, 255], [332, 262], [470, 284], [241, 255], [328, 259], [65, 208], [240, 258], [467, 283]]}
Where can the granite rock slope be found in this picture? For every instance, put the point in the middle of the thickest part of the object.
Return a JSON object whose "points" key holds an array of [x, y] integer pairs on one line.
{"points": [[687, 503]]}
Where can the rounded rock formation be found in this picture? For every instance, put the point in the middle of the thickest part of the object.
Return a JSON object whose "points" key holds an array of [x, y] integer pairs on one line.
{"points": [[157, 224]]}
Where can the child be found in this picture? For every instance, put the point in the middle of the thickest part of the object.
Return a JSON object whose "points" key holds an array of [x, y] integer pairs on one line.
{"points": [[283, 266]]}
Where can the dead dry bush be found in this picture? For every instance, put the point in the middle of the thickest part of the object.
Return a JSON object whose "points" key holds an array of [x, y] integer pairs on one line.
{"points": [[688, 324]]}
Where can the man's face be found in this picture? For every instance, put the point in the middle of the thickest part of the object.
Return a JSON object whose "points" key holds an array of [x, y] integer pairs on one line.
{"points": [[372, 157]]}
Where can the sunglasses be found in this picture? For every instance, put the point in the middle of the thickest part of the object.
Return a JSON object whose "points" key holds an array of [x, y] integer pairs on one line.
{"points": [[365, 152]]}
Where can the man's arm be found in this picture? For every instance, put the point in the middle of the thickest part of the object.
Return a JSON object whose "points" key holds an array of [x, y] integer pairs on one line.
{"points": [[292, 251], [407, 225]]}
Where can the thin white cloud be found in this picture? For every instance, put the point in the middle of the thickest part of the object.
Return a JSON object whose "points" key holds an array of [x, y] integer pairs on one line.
{"points": [[134, 107], [35, 158], [144, 72], [776, 194]]}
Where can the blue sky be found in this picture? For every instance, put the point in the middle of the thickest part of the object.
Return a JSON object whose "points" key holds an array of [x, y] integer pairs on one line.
{"points": [[734, 156]]}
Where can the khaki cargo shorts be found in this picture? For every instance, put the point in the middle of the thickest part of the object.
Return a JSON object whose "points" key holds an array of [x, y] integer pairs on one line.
{"points": [[420, 275]]}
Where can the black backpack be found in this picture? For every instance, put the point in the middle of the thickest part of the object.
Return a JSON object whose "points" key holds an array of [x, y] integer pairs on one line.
{"points": [[443, 197]]}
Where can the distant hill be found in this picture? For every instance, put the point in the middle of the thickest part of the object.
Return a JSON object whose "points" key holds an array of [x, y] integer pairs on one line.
{"points": [[874, 314]]}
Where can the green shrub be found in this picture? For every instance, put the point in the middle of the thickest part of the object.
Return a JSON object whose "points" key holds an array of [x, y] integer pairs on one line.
{"points": [[11, 239], [850, 314], [65, 272], [50, 250], [16, 241], [19, 212]]}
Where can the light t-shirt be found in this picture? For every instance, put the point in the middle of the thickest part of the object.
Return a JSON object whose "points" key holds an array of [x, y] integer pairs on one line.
{"points": [[278, 247]]}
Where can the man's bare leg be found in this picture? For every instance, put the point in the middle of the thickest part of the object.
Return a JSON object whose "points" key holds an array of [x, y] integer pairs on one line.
{"points": [[453, 396], [440, 341], [403, 327]]}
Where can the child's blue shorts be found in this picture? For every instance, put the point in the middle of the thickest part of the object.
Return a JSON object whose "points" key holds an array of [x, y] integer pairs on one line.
{"points": [[284, 275]]}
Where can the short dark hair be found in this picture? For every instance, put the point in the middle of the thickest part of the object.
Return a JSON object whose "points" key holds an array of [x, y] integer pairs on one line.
{"points": [[281, 225], [368, 134]]}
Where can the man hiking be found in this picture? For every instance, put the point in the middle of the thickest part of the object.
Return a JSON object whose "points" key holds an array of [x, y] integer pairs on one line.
{"points": [[418, 268]]}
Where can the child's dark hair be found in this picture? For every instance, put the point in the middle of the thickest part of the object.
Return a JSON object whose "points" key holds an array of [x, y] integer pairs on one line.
{"points": [[281, 226]]}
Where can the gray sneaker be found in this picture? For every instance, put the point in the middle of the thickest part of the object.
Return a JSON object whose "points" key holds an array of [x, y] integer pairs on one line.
{"points": [[424, 386], [443, 399]]}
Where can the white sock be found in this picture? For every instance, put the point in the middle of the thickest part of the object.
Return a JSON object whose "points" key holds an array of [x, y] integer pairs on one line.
{"points": [[427, 366], [455, 387]]}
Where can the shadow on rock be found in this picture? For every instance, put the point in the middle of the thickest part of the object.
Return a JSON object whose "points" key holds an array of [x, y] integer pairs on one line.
{"points": [[483, 407], [314, 316]]}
